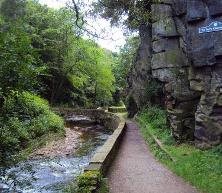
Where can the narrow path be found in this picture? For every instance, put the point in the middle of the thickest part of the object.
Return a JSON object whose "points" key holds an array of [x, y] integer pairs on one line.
{"points": [[136, 171]]}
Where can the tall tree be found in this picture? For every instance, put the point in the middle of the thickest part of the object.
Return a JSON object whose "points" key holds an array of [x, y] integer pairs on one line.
{"points": [[125, 60], [131, 13], [18, 70]]}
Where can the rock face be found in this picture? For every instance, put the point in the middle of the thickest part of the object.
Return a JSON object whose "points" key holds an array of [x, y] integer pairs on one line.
{"points": [[189, 65], [141, 72]]}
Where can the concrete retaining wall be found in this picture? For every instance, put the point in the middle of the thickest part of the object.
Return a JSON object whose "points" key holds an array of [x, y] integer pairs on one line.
{"points": [[105, 155], [109, 120], [90, 180]]}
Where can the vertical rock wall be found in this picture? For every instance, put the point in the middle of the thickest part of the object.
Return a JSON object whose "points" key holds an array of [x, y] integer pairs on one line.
{"points": [[140, 74], [205, 53], [189, 64]]}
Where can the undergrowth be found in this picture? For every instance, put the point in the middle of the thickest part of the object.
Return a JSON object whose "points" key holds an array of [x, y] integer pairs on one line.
{"points": [[24, 118], [201, 168], [88, 182]]}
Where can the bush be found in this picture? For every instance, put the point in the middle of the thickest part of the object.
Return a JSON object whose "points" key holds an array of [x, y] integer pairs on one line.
{"points": [[24, 105], [88, 181], [156, 118], [24, 117]]}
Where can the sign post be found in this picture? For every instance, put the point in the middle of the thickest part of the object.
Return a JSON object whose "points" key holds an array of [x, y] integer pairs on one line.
{"points": [[213, 27]]}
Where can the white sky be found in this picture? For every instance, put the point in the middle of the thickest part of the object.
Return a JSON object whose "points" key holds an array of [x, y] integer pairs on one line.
{"points": [[114, 37]]}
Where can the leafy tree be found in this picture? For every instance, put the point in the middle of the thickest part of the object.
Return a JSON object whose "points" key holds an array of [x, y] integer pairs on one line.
{"points": [[50, 30], [125, 60], [70, 61], [42, 55], [89, 70], [18, 70], [12, 9], [131, 13]]}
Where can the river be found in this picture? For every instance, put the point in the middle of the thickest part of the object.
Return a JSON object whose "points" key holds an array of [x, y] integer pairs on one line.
{"points": [[51, 168]]}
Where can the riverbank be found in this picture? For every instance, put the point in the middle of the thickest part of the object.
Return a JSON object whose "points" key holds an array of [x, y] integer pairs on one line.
{"points": [[203, 169], [33, 146], [92, 180], [61, 158], [59, 147]]}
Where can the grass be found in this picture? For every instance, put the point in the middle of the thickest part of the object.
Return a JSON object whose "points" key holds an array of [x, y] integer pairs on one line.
{"points": [[201, 168]]}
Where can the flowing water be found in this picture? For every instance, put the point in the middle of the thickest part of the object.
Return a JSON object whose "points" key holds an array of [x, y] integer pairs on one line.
{"points": [[52, 174]]}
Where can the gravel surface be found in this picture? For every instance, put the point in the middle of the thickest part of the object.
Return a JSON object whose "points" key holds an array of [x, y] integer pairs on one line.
{"points": [[135, 170], [61, 147]]}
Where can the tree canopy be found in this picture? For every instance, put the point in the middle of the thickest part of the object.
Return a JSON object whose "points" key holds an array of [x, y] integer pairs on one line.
{"points": [[131, 13], [44, 58], [41, 51]]}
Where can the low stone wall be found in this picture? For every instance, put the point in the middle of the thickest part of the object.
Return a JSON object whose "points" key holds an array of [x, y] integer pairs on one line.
{"points": [[109, 120], [92, 176], [105, 155], [113, 109]]}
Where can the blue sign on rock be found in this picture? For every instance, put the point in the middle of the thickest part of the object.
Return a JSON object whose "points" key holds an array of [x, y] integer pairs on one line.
{"points": [[213, 27]]}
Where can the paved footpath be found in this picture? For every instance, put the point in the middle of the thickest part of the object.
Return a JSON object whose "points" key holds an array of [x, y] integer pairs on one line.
{"points": [[135, 170]]}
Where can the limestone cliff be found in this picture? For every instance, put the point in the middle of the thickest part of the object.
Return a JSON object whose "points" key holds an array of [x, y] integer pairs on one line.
{"points": [[189, 65]]}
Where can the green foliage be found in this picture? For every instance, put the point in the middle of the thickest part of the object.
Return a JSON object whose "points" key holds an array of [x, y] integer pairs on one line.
{"points": [[153, 89], [88, 68], [77, 70], [43, 55], [137, 12], [12, 9], [201, 168], [157, 118], [124, 61], [17, 69], [25, 117], [87, 182], [41, 51]]}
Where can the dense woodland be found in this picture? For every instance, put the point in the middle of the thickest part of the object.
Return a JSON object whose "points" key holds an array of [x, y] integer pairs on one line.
{"points": [[45, 61]]}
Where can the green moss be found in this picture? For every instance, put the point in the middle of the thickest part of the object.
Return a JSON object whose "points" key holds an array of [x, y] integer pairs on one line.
{"points": [[174, 57], [113, 109], [202, 169], [89, 179], [86, 182]]}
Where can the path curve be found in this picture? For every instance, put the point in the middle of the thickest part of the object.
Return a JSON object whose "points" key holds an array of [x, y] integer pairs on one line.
{"points": [[135, 170]]}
